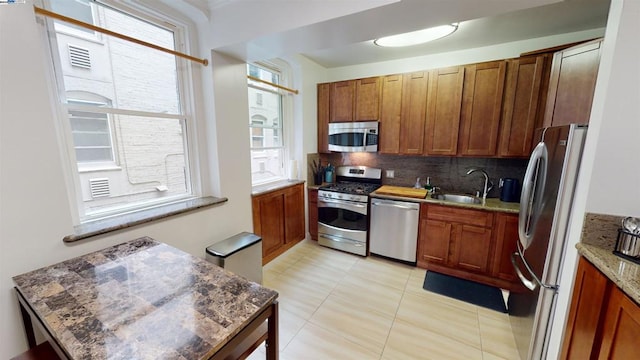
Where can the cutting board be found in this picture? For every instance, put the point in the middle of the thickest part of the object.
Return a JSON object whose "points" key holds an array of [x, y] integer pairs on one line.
{"points": [[402, 191]]}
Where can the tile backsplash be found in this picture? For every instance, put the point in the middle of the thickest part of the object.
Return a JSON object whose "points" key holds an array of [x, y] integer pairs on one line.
{"points": [[449, 173]]}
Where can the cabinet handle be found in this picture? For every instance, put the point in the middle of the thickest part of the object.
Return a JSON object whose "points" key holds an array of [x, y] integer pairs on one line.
{"points": [[394, 205]]}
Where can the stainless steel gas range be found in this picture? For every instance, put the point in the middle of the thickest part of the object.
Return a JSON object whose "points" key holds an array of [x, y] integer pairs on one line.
{"points": [[343, 219]]}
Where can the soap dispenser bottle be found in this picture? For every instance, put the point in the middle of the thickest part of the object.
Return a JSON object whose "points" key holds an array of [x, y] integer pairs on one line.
{"points": [[428, 185], [417, 185]]}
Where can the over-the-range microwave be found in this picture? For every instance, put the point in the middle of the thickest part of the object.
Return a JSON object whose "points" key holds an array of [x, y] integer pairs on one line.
{"points": [[353, 136]]}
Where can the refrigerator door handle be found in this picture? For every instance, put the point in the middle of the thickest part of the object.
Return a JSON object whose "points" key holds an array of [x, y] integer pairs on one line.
{"points": [[526, 282], [532, 189], [529, 284]]}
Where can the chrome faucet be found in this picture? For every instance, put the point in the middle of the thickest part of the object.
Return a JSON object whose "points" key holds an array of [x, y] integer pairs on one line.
{"points": [[488, 185]]}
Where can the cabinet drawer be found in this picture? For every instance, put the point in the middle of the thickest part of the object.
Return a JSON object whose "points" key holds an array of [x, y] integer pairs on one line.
{"points": [[460, 215]]}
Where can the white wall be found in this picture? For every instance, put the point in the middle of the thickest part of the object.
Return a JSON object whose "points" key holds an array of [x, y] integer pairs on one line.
{"points": [[615, 181], [34, 207], [461, 57]]}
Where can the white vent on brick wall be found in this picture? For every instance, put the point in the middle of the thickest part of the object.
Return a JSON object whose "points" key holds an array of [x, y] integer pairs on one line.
{"points": [[99, 187], [79, 57]]}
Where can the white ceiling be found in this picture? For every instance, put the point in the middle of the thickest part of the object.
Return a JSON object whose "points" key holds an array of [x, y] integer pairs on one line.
{"points": [[347, 40]]}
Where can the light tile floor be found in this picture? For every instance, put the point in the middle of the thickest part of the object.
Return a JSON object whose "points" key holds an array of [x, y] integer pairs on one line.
{"points": [[335, 305]]}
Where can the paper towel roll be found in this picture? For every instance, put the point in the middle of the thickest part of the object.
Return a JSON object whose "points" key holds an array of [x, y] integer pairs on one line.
{"points": [[293, 169]]}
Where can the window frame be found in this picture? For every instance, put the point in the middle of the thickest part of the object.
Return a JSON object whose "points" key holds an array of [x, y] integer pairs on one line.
{"points": [[186, 115], [283, 71]]}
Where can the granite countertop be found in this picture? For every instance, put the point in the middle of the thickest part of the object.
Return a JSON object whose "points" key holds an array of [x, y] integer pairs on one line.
{"points": [[492, 204], [142, 300], [598, 240], [277, 185]]}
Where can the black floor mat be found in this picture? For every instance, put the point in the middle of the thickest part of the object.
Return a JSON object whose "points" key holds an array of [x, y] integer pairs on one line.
{"points": [[465, 290]]}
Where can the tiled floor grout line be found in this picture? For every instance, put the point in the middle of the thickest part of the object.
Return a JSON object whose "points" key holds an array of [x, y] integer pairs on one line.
{"points": [[317, 255]]}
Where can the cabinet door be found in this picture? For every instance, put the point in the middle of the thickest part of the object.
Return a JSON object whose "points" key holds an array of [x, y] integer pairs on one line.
{"points": [[268, 222], [588, 297], [342, 100], [520, 112], [481, 107], [313, 213], [443, 111], [414, 102], [506, 238], [472, 247], [573, 80], [294, 229], [367, 100], [433, 246], [324, 91], [621, 328], [390, 111]]}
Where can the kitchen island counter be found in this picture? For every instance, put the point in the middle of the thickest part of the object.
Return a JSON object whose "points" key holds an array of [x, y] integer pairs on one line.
{"points": [[143, 300]]}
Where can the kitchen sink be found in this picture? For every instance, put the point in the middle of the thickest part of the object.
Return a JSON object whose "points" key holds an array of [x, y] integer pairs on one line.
{"points": [[457, 198]]}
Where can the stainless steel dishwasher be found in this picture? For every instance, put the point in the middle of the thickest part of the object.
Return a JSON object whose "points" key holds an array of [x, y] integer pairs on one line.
{"points": [[394, 229]]}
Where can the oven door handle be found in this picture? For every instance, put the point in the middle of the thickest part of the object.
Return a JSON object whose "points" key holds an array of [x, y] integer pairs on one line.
{"points": [[341, 204], [339, 239]]}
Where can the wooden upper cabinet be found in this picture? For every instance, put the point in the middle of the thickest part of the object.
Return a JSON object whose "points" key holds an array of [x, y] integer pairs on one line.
{"points": [[324, 91], [342, 100], [521, 111], [390, 112], [367, 100], [355, 100], [573, 80], [481, 108], [414, 103], [443, 111]]}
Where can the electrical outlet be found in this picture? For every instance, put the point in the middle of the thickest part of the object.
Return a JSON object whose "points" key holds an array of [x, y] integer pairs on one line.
{"points": [[390, 173]]}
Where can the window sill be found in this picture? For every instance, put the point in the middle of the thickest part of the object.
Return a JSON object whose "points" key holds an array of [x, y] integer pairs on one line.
{"points": [[119, 222]]}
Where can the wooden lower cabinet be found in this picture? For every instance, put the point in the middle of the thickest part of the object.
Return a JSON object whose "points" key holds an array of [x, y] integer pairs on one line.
{"points": [[588, 297], [506, 240], [621, 330], [312, 196], [468, 243], [603, 322], [278, 217]]}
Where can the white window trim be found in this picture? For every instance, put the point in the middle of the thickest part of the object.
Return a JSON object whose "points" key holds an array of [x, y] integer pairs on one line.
{"points": [[285, 72], [63, 127]]}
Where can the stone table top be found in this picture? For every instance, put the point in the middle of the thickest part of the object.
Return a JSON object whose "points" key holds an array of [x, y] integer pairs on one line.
{"points": [[142, 300]]}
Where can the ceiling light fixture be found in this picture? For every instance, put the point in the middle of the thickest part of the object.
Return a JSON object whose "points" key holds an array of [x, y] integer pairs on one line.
{"points": [[416, 37]]}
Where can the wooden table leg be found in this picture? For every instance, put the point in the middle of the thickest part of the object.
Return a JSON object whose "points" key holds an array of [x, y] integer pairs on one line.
{"points": [[28, 325], [272, 333]]}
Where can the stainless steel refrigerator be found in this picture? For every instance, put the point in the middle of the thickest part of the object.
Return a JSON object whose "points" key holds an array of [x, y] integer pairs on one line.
{"points": [[545, 206]]}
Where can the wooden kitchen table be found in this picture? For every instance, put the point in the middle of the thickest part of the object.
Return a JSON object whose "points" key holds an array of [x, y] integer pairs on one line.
{"points": [[147, 300]]}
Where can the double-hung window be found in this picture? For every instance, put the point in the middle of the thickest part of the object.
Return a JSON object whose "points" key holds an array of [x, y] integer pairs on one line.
{"points": [[123, 107], [268, 110]]}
